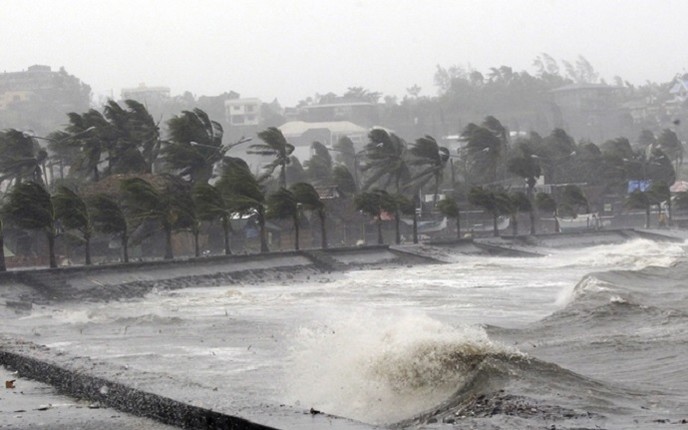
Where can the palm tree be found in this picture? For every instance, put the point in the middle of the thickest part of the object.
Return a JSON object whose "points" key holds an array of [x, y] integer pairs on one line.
{"points": [[526, 166], [30, 207], [640, 200], [518, 202], [449, 208], [433, 160], [283, 205], [319, 166], [3, 265], [309, 198], [73, 212], [483, 152], [546, 203], [21, 158], [244, 192], [669, 143], [275, 145], [169, 206], [107, 216], [494, 202], [343, 180], [92, 146], [374, 203], [386, 159], [211, 205], [195, 145]]}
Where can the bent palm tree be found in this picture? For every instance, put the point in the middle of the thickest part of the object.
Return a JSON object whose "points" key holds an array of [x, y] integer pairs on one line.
{"points": [[374, 203], [449, 208], [275, 145], [108, 217], [71, 209], [307, 196], [244, 193], [21, 158], [283, 205], [433, 159], [386, 158], [211, 205], [30, 206]]}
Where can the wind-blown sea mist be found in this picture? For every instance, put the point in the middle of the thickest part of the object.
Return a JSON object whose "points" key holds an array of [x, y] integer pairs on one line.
{"points": [[581, 338]]}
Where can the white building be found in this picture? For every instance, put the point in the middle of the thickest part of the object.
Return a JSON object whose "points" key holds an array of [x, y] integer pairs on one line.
{"points": [[146, 95], [240, 112]]}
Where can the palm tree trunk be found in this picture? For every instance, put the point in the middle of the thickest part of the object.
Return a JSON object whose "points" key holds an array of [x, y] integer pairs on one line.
{"points": [[168, 244], [3, 266], [87, 245], [197, 248], [263, 234], [51, 248], [296, 233], [415, 226], [379, 230], [514, 224], [533, 208], [225, 228], [495, 230], [96, 175], [647, 216], [458, 226], [323, 230], [397, 232], [125, 247], [283, 175]]}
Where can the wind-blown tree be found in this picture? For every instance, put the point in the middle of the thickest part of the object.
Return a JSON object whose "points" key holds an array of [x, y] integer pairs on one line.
{"points": [[482, 154], [74, 214], [546, 203], [212, 205], [345, 153], [432, 159], [574, 199], [669, 143], [276, 146], [527, 167], [30, 206], [244, 192], [494, 202], [319, 166], [449, 208], [373, 203], [194, 146], [385, 160], [660, 193], [169, 206], [310, 200], [640, 200], [21, 158], [518, 202], [128, 129], [295, 171], [93, 146], [343, 180], [282, 204], [108, 217]]}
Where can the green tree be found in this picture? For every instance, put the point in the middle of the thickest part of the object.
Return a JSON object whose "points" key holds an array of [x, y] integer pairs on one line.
{"points": [[640, 200], [669, 143], [527, 167], [546, 203], [518, 202], [373, 203], [343, 180], [30, 206], [282, 204], [276, 146], [432, 159], [74, 214], [449, 208], [482, 154], [494, 202], [21, 158], [212, 205], [244, 193], [385, 160], [108, 217], [319, 166], [169, 206], [309, 198], [194, 146], [574, 198]]}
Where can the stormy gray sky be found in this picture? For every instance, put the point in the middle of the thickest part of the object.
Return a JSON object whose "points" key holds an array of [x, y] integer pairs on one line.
{"points": [[290, 49]]}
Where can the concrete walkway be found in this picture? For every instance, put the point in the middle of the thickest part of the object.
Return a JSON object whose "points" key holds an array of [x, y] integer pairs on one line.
{"points": [[34, 405]]}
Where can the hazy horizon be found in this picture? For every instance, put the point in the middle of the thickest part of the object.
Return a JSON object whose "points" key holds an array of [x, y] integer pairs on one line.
{"points": [[293, 50]]}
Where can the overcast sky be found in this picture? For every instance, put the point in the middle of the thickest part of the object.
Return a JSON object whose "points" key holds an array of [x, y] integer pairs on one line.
{"points": [[290, 50]]}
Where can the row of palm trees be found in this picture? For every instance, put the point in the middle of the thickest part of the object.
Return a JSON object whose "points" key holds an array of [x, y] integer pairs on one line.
{"points": [[386, 176]]}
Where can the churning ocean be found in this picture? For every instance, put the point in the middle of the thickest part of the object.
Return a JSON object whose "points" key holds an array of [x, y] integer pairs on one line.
{"points": [[593, 337]]}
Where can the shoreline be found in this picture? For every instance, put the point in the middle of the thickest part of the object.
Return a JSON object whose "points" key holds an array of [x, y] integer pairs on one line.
{"points": [[81, 377]]}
